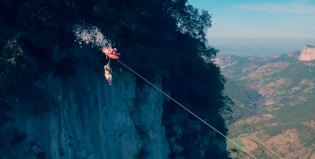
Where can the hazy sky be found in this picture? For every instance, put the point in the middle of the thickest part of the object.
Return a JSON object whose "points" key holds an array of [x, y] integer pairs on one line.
{"points": [[259, 27]]}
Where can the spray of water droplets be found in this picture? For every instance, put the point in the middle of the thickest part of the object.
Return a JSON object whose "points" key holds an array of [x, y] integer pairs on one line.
{"points": [[90, 35]]}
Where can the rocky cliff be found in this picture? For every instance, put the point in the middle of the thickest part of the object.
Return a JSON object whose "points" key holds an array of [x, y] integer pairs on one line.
{"points": [[55, 102], [89, 120], [307, 53]]}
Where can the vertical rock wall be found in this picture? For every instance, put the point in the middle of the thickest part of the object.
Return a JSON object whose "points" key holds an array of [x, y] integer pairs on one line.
{"points": [[89, 120], [307, 53]]}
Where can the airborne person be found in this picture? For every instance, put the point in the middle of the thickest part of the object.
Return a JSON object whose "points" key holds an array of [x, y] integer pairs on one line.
{"points": [[108, 73], [111, 53]]}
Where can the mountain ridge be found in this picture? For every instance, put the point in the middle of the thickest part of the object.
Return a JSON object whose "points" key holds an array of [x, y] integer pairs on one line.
{"points": [[284, 117]]}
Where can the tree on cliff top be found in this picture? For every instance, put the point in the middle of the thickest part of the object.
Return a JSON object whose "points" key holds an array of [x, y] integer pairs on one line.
{"points": [[157, 37]]}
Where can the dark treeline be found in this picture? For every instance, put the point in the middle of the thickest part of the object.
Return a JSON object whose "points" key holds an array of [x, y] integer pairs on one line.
{"points": [[157, 38]]}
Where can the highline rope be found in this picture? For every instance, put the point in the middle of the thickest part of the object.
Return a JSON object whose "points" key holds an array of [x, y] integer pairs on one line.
{"points": [[189, 111]]}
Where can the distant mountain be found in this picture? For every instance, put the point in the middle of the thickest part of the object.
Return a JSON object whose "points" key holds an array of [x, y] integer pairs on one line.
{"points": [[274, 102], [307, 53], [282, 80]]}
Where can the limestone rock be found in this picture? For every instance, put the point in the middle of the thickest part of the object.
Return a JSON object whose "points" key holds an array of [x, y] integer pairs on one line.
{"points": [[307, 53], [90, 120]]}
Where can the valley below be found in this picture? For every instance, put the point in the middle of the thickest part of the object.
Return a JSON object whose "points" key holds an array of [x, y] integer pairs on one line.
{"points": [[273, 105]]}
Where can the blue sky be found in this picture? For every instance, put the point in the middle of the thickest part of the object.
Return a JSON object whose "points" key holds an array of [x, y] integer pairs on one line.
{"points": [[259, 27]]}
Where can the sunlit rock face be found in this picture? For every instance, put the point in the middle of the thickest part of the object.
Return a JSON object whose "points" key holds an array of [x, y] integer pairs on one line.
{"points": [[90, 120], [307, 53], [226, 61]]}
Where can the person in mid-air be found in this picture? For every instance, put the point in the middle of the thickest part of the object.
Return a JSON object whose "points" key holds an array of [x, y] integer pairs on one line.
{"points": [[111, 53], [108, 73]]}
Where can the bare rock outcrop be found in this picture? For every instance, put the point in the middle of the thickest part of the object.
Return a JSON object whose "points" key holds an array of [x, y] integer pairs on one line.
{"points": [[91, 120], [307, 53]]}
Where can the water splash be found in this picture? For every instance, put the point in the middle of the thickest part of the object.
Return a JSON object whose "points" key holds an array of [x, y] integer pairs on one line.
{"points": [[90, 35]]}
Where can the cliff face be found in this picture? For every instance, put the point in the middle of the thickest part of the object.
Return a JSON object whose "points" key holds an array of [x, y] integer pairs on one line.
{"points": [[55, 102], [87, 121], [307, 53]]}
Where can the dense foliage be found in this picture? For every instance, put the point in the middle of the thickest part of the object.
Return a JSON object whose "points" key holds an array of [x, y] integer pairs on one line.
{"points": [[158, 38]]}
